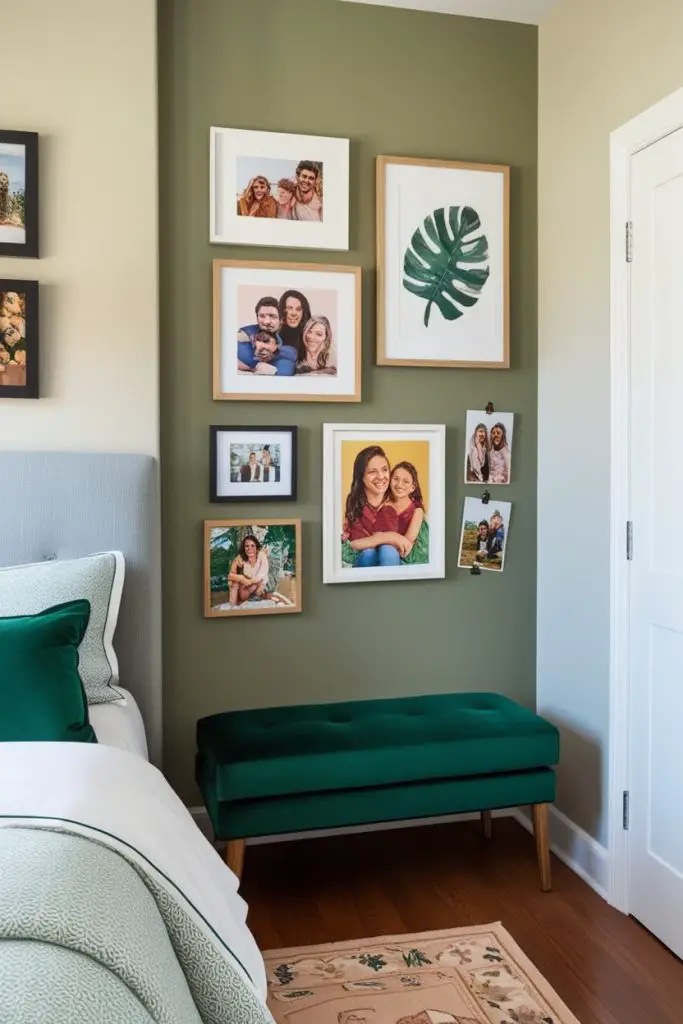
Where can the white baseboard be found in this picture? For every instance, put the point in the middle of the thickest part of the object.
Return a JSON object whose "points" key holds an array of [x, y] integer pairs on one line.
{"points": [[584, 855], [201, 818]]}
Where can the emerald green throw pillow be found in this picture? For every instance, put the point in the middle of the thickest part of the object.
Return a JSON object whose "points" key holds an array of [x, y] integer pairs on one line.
{"points": [[41, 693]]}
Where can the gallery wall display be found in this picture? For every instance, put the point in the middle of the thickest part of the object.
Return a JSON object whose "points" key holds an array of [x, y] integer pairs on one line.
{"points": [[286, 331], [19, 339], [252, 567], [253, 463], [442, 263], [484, 536], [269, 188], [383, 502], [488, 447], [18, 194]]}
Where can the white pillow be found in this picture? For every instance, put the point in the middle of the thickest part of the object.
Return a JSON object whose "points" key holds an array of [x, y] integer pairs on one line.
{"points": [[28, 589]]}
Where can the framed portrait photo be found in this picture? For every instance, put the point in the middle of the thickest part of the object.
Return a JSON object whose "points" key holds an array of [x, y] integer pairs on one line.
{"points": [[19, 339], [18, 194], [286, 332], [484, 534], [383, 502], [270, 188], [443, 289], [488, 447], [253, 463], [252, 567]]}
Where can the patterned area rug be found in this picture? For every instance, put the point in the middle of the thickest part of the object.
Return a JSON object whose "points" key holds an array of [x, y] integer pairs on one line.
{"points": [[475, 975]]}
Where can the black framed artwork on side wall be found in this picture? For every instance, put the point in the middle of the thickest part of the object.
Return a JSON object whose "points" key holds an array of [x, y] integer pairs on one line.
{"points": [[19, 339], [19, 194], [253, 463]]}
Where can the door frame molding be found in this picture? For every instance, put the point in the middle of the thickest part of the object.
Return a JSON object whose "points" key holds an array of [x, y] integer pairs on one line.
{"points": [[651, 126]]}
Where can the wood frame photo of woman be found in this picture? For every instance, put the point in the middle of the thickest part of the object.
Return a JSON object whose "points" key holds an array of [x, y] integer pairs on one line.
{"points": [[251, 567], [383, 502]]}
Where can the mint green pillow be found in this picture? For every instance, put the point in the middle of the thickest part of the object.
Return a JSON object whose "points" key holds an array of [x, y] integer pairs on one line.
{"points": [[41, 693]]}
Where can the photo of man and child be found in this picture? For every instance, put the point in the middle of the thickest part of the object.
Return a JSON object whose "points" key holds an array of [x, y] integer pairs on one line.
{"points": [[488, 458], [385, 488], [484, 534], [290, 334], [281, 189]]}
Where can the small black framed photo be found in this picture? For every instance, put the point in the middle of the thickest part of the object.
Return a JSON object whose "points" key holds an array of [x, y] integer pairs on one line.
{"points": [[19, 194], [19, 333], [253, 463]]}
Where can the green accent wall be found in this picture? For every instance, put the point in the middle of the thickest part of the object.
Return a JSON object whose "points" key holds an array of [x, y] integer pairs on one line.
{"points": [[395, 82]]}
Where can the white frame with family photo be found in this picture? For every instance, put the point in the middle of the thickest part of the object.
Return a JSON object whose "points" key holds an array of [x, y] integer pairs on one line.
{"points": [[475, 510], [333, 436], [274, 279], [478, 464], [227, 226], [224, 440]]}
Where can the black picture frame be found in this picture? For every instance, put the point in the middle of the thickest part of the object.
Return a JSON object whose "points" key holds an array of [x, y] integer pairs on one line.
{"points": [[29, 247], [29, 289], [224, 497]]}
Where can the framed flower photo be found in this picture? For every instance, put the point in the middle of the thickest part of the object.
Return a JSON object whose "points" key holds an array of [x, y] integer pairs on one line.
{"points": [[443, 289], [19, 339], [253, 463], [271, 188], [286, 332], [383, 502], [252, 567], [18, 194]]}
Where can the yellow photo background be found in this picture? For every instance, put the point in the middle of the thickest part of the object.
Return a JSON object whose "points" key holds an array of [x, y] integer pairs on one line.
{"points": [[416, 452]]}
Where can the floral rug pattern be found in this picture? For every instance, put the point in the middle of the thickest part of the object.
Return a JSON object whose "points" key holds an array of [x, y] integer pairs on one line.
{"points": [[475, 975]]}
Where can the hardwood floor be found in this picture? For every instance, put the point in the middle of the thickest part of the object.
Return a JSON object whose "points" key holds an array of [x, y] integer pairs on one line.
{"points": [[606, 967]]}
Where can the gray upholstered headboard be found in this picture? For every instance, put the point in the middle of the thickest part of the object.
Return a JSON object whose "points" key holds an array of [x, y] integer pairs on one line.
{"points": [[71, 504]]}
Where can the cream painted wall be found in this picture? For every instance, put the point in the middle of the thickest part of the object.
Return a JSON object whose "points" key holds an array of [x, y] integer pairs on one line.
{"points": [[83, 75], [600, 64]]}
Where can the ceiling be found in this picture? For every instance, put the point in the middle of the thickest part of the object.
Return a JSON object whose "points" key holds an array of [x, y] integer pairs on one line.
{"points": [[530, 12]]}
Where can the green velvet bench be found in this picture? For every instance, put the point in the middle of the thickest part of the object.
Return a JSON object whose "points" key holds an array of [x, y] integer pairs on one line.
{"points": [[293, 769]]}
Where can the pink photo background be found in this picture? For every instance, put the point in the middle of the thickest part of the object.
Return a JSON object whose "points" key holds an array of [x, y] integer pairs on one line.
{"points": [[323, 302]]}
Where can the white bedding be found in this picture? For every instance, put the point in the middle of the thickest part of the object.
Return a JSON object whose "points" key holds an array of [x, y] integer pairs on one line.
{"points": [[120, 724], [117, 798]]}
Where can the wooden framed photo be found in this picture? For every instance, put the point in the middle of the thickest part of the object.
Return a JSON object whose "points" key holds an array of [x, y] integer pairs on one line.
{"points": [[286, 332], [18, 194], [19, 339], [253, 463], [443, 288], [270, 188], [383, 502], [252, 567]]}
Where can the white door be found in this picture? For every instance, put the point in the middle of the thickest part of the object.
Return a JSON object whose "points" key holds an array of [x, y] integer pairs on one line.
{"points": [[656, 500]]}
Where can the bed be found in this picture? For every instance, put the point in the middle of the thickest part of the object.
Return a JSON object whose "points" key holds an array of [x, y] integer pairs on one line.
{"points": [[113, 905]]}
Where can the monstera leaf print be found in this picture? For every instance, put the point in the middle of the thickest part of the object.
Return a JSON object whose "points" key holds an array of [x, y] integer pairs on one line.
{"points": [[440, 266]]}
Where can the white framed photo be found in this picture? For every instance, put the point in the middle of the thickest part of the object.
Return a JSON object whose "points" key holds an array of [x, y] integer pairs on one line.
{"points": [[253, 463], [488, 447], [272, 188], [443, 293], [383, 502], [484, 536], [286, 332]]}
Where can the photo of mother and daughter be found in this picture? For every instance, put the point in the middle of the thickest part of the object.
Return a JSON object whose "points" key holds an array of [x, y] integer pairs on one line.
{"points": [[385, 522]]}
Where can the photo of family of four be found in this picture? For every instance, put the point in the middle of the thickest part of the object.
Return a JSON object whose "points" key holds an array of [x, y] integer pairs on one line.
{"points": [[295, 198], [287, 339], [385, 522], [488, 455]]}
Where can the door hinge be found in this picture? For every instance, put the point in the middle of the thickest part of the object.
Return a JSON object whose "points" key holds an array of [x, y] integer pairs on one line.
{"points": [[629, 541], [626, 810], [629, 241]]}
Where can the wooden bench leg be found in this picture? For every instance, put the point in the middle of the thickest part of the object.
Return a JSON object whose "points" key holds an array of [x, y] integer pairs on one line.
{"points": [[234, 855], [486, 823], [540, 815]]}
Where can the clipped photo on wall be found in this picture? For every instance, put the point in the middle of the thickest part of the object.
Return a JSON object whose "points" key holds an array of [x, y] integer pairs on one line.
{"points": [[252, 567], [484, 534], [488, 451]]}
